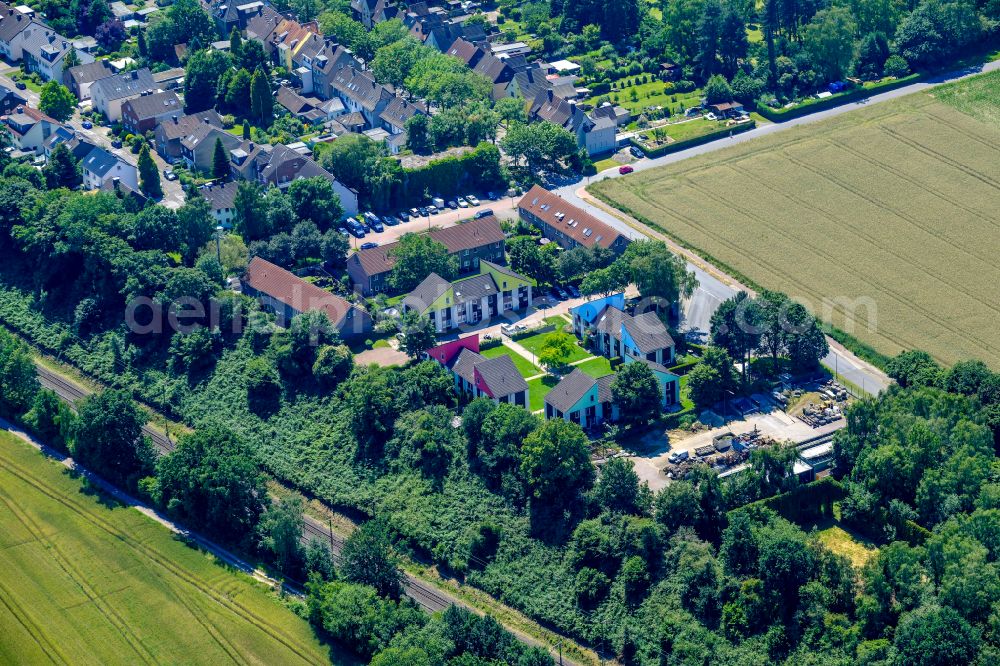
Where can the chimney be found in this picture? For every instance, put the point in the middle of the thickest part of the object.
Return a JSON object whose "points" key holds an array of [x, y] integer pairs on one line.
{"points": [[135, 75], [174, 118]]}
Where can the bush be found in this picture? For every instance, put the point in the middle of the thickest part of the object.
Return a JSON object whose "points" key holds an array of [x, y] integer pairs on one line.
{"points": [[896, 66]]}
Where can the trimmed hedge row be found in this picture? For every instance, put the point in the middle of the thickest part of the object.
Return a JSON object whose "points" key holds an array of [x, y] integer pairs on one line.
{"points": [[694, 141], [809, 502], [490, 344], [682, 369], [813, 104]]}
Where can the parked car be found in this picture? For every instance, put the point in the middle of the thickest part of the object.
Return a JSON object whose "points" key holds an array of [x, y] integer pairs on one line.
{"points": [[404, 216], [437, 202], [486, 212], [370, 245], [473, 201], [415, 212], [637, 152], [116, 143], [87, 124], [169, 174], [554, 293], [562, 293], [462, 203], [624, 169], [424, 212], [343, 231], [678, 456], [376, 226], [452, 204], [20, 85], [574, 292], [357, 232]]}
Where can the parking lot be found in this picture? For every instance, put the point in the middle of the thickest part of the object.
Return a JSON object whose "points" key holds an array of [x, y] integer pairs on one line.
{"points": [[504, 208]]}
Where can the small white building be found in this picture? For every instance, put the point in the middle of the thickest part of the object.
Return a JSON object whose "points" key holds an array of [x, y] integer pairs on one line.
{"points": [[100, 167]]}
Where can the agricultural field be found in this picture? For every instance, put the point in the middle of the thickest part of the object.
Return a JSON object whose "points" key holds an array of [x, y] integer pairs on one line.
{"points": [[86, 582], [885, 221]]}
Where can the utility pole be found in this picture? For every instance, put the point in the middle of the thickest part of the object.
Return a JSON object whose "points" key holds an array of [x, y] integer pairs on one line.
{"points": [[330, 521]]}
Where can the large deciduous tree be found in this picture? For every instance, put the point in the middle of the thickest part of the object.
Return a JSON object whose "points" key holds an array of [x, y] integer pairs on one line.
{"points": [[637, 393], [108, 437], [416, 257]]}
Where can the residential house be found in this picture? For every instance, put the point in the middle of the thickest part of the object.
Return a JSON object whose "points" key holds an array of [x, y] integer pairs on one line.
{"points": [[169, 79], [596, 136], [619, 114], [479, 377], [283, 165], [108, 94], [29, 129], [361, 93], [471, 242], [588, 401], [13, 22], [121, 11], [566, 224], [143, 113], [198, 148], [288, 296], [100, 166], [726, 109], [322, 66], [304, 108], [44, 51], [124, 191], [470, 300], [221, 197], [10, 100], [79, 78], [370, 12], [170, 132], [397, 112], [612, 332], [229, 14]]}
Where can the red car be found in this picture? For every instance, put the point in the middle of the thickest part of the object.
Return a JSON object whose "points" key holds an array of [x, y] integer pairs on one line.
{"points": [[624, 169]]}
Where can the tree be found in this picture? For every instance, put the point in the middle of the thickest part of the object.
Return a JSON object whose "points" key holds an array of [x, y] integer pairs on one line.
{"points": [[235, 94], [62, 169], [333, 365], [201, 78], [718, 90], [709, 34], [659, 274], [220, 161], [212, 481], [914, 368], [18, 379], [249, 218], [872, 54], [896, 66], [555, 464], [529, 258], [417, 256], [937, 30], [417, 134], [149, 175], [618, 488], [733, 41], [347, 31], [540, 147], [195, 227], [111, 34], [418, 334], [51, 419], [72, 59], [261, 102], [367, 558], [510, 111], [57, 101], [829, 40], [108, 437], [556, 349], [314, 199], [280, 532], [246, 130], [935, 636], [319, 560], [713, 379], [736, 326], [637, 393]]}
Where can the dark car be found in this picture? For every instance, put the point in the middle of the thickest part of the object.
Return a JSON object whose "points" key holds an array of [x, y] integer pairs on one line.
{"points": [[554, 294], [369, 245], [343, 231], [117, 144], [357, 231], [486, 212], [404, 216], [391, 220], [574, 292], [377, 226], [414, 212], [424, 212], [20, 85], [452, 204]]}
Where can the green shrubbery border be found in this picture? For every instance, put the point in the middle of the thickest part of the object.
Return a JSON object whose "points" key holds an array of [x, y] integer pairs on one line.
{"points": [[693, 141], [812, 105]]}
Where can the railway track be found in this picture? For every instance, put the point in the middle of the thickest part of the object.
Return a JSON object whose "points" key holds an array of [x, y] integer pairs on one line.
{"points": [[426, 596]]}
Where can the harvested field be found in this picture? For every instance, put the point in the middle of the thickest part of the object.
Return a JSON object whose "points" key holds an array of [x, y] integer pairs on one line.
{"points": [[886, 220], [85, 582]]}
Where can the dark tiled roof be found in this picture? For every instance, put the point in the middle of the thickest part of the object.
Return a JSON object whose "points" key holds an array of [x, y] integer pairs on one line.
{"points": [[220, 195], [99, 161], [465, 364], [474, 288], [175, 128], [150, 106], [610, 321], [124, 84], [301, 296], [604, 387], [465, 51], [574, 222], [398, 112], [360, 87], [12, 22], [648, 332], [427, 292], [569, 390], [501, 376], [92, 71], [493, 68]]}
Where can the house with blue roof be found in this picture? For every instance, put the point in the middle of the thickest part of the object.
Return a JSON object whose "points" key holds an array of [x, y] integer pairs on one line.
{"points": [[612, 332], [586, 314]]}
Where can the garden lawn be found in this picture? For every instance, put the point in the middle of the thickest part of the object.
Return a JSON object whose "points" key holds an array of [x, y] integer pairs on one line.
{"points": [[87, 582], [533, 343], [595, 367], [647, 95], [883, 221], [842, 542], [523, 365], [538, 389]]}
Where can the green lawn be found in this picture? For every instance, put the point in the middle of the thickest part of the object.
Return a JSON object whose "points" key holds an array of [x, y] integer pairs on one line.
{"points": [[688, 129], [686, 401], [523, 365], [88, 582], [533, 343], [595, 367], [607, 163], [654, 93], [538, 389]]}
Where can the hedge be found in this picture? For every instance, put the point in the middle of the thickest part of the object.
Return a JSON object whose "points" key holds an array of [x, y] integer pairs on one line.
{"points": [[549, 328], [809, 502], [682, 369], [673, 420], [490, 344], [813, 104], [694, 141]]}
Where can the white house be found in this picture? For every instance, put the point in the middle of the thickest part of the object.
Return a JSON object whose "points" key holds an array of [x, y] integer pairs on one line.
{"points": [[99, 167], [108, 94]]}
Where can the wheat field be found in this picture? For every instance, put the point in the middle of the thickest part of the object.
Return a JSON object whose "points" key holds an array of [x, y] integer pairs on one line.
{"points": [[885, 220]]}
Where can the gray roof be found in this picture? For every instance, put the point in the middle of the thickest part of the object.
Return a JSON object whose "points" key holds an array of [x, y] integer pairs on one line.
{"points": [[181, 126], [220, 195], [604, 387], [569, 390], [151, 106], [125, 84], [610, 321], [90, 72], [465, 363], [501, 376], [12, 22], [648, 332], [426, 292], [474, 288], [99, 161]]}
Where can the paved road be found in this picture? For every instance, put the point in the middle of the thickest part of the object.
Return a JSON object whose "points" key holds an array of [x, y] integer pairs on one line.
{"points": [[429, 598]]}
